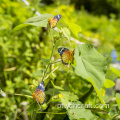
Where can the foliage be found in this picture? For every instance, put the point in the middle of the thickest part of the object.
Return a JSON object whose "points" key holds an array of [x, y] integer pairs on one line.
{"points": [[25, 52]]}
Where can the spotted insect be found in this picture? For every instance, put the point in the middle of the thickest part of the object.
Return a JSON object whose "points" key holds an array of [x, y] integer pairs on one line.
{"points": [[66, 55], [53, 21], [39, 94]]}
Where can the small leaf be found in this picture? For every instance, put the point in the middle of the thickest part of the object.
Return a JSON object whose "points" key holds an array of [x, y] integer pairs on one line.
{"points": [[37, 73], [108, 83], [26, 92], [117, 72], [66, 32], [50, 91], [46, 61], [35, 83], [56, 87], [74, 28], [118, 99]]}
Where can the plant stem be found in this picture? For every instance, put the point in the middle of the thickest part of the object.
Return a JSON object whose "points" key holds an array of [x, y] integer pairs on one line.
{"points": [[50, 59]]}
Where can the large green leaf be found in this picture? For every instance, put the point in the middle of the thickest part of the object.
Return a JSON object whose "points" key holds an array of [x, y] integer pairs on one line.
{"points": [[91, 65], [41, 21]]}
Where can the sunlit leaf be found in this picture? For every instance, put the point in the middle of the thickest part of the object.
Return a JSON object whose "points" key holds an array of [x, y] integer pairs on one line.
{"points": [[74, 28], [39, 18], [40, 21], [90, 65], [114, 70], [66, 32], [108, 83]]}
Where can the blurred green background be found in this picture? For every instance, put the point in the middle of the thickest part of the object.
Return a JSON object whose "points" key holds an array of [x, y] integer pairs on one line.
{"points": [[21, 51]]}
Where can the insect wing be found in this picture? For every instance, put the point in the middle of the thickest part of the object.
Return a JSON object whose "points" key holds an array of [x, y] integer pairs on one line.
{"points": [[40, 94]]}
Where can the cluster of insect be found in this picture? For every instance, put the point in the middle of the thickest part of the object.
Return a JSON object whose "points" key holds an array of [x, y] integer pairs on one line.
{"points": [[66, 57]]}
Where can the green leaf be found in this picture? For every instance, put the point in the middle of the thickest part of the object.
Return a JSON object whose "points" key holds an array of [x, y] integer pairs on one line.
{"points": [[35, 83], [41, 21], [56, 87], [50, 91], [67, 96], [37, 19], [46, 61], [91, 65], [78, 111], [108, 83], [73, 97], [66, 32], [74, 28], [118, 99], [37, 73], [33, 107], [117, 72], [26, 92]]}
